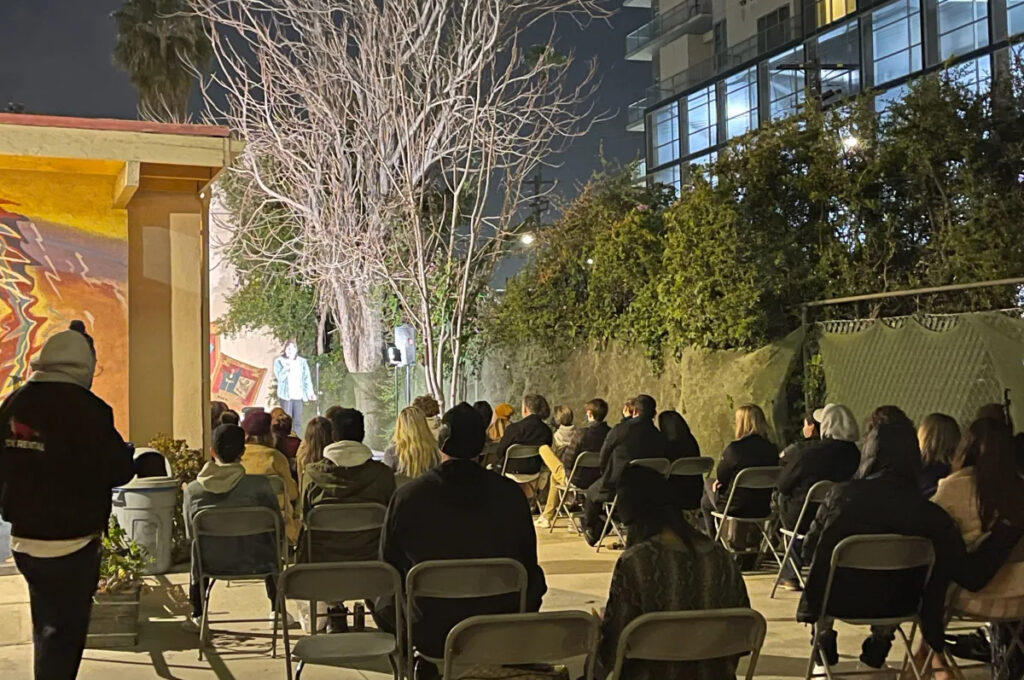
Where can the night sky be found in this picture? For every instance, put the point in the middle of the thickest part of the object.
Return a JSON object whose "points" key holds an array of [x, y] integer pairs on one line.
{"points": [[55, 59]]}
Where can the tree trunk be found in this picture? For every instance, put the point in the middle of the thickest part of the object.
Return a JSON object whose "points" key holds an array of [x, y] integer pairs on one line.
{"points": [[361, 341], [368, 402]]}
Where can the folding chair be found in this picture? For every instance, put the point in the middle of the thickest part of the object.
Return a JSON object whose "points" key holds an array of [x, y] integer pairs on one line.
{"points": [[660, 465], [277, 484], [332, 582], [750, 479], [459, 579], [692, 467], [815, 497], [692, 636], [876, 552], [548, 638], [342, 518], [524, 452], [236, 523], [588, 460]]}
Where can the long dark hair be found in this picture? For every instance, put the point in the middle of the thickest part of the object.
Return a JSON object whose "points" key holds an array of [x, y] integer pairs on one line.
{"points": [[987, 447], [677, 432], [646, 507]]}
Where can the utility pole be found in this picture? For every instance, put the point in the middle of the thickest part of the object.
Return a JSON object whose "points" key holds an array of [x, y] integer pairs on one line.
{"points": [[539, 203]]}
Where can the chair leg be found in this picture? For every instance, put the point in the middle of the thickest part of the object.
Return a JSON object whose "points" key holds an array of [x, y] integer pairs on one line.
{"points": [[559, 509], [278, 608], [604, 531], [395, 668], [778, 576], [298, 670], [204, 620], [814, 648]]}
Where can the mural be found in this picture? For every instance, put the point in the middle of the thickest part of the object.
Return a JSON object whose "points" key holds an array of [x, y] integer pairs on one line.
{"points": [[234, 382], [59, 263]]}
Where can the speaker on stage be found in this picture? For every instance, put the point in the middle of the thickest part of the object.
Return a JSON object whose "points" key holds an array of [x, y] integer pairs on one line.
{"points": [[405, 342]]}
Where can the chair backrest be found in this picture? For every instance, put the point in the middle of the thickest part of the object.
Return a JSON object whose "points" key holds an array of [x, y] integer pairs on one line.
{"points": [[237, 522], [517, 451], [587, 459], [660, 465], [766, 477], [277, 484], [340, 581], [461, 579], [692, 636], [505, 639], [345, 518], [691, 467], [815, 496]]}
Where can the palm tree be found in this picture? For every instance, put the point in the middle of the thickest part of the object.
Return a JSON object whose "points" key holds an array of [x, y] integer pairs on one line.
{"points": [[160, 44]]}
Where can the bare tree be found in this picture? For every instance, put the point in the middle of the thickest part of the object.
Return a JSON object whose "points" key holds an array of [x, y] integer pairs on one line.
{"points": [[396, 135]]}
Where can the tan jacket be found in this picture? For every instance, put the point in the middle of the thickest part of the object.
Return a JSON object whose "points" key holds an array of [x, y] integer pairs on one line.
{"points": [[264, 460]]}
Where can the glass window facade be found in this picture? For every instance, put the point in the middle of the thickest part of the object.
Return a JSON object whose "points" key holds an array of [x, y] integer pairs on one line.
{"points": [[741, 102], [883, 100], [1015, 16], [975, 74], [963, 26], [669, 176], [833, 10], [841, 45], [701, 120], [896, 39], [665, 138], [786, 83]]}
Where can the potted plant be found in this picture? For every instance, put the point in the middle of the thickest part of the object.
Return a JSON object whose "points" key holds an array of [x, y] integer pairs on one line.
{"points": [[115, 606]]}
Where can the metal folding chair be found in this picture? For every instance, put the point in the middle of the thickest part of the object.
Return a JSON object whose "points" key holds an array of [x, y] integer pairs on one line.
{"points": [[341, 518], [815, 497], [692, 467], [524, 452], [692, 636], [238, 523], [749, 479], [459, 579], [876, 552], [588, 460], [549, 637], [337, 581], [660, 465]]}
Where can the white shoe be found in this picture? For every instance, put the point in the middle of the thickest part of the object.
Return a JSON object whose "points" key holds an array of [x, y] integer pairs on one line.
{"points": [[542, 522], [191, 624], [819, 671], [321, 623]]}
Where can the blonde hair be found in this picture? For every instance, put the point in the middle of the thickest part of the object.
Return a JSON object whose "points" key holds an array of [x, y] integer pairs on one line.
{"points": [[750, 420], [938, 436], [415, 445]]}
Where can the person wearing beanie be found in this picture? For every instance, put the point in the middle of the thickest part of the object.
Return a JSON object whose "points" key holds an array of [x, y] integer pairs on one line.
{"points": [[60, 456], [458, 510], [261, 458], [223, 483]]}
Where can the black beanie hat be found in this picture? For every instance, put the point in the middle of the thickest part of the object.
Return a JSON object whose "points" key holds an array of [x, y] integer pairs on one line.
{"points": [[463, 432], [228, 442]]}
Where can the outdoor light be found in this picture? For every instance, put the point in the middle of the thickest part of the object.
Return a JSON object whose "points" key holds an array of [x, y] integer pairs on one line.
{"points": [[590, 260], [850, 143], [527, 239]]}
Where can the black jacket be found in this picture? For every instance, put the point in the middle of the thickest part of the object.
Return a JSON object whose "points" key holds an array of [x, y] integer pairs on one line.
{"points": [[751, 451], [886, 504], [458, 510], [928, 480], [531, 431], [59, 458], [686, 490], [586, 439], [628, 441], [830, 460]]}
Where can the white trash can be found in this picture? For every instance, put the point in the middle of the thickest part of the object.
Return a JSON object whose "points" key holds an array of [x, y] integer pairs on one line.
{"points": [[145, 510]]}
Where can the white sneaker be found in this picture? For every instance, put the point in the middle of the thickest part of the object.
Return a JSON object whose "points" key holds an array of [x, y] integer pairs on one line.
{"points": [[191, 624], [542, 522], [819, 671]]}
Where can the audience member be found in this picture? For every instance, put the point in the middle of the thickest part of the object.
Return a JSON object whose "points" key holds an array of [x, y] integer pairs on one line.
{"points": [[315, 439], [884, 499], [629, 440], [229, 417], [60, 456], [686, 491], [938, 436], [667, 566], [811, 432], [983, 489], [347, 473], [285, 440], [502, 419], [552, 457], [588, 439], [458, 510], [261, 458], [485, 411], [217, 409], [751, 448], [628, 409], [223, 483], [413, 448], [565, 429], [835, 458], [431, 410], [532, 430]]}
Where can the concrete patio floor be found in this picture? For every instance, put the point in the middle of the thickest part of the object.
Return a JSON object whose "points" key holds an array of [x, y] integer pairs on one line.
{"points": [[577, 578]]}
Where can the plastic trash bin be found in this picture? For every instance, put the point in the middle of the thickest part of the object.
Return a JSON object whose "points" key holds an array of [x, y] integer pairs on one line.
{"points": [[145, 510], [5, 539]]}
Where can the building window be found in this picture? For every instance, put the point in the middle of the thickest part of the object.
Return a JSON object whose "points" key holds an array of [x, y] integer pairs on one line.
{"points": [[963, 26], [896, 36], [701, 120], [786, 82], [665, 134], [840, 46], [668, 176], [975, 74], [1015, 16], [834, 10], [741, 102], [773, 30], [883, 100]]}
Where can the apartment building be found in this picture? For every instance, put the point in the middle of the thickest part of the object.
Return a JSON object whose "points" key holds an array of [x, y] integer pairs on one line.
{"points": [[722, 67]]}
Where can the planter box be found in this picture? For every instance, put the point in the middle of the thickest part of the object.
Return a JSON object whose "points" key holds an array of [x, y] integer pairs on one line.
{"points": [[115, 620]]}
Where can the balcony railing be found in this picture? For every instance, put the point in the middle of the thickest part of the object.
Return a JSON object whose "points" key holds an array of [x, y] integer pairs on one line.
{"points": [[736, 55], [692, 16], [635, 115]]}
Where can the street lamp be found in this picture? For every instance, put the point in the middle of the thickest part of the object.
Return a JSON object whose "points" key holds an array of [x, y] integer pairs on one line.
{"points": [[527, 239], [850, 143]]}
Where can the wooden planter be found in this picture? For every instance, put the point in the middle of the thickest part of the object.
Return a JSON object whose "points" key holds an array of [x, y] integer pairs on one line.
{"points": [[115, 620]]}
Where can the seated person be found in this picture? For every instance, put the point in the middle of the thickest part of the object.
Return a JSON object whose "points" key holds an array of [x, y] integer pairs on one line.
{"points": [[413, 448], [458, 510], [686, 491], [565, 430], [223, 483], [834, 458], [532, 430], [884, 499], [230, 417], [261, 458], [347, 473], [431, 411], [631, 439], [667, 566], [750, 448], [285, 440], [588, 439], [938, 436], [552, 457]]}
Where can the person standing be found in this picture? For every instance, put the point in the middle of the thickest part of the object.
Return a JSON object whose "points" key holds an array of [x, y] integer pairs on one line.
{"points": [[294, 383], [60, 456]]}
